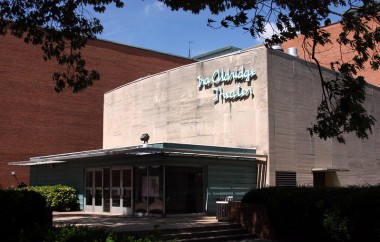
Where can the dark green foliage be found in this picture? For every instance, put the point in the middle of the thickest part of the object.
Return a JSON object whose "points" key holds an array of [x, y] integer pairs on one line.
{"points": [[21, 212], [345, 113], [77, 233], [72, 233], [58, 197], [321, 214]]}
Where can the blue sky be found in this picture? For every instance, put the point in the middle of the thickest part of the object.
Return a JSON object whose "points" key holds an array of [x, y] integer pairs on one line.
{"points": [[150, 24]]}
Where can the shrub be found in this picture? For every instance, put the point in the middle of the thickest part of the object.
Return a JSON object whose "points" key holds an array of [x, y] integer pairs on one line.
{"points": [[22, 211], [58, 197], [321, 214], [72, 233], [78, 233]]}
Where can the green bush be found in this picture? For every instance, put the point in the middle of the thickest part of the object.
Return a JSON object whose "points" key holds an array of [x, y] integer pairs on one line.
{"points": [[22, 211], [77, 233], [321, 214], [72, 233], [58, 197]]}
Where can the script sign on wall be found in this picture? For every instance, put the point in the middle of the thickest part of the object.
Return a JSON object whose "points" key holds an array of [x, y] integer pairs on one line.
{"points": [[226, 77]]}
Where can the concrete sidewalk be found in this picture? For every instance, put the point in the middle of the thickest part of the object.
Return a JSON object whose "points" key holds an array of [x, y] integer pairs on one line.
{"points": [[123, 223]]}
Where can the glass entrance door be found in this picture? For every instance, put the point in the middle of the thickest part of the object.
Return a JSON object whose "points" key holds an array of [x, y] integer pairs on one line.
{"points": [[148, 190], [121, 191], [94, 191]]}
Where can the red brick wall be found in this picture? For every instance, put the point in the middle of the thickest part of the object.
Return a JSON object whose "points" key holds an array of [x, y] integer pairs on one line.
{"points": [[36, 121], [332, 52]]}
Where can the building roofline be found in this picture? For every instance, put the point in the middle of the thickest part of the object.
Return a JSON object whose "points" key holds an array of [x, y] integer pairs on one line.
{"points": [[140, 48], [216, 51], [176, 149], [184, 66]]}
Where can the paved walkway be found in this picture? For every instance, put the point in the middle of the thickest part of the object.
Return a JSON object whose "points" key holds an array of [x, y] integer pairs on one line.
{"points": [[123, 223]]}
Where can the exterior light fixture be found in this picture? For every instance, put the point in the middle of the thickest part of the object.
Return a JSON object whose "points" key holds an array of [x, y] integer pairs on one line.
{"points": [[145, 137]]}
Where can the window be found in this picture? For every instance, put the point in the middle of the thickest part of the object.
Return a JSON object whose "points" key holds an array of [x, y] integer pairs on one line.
{"points": [[286, 178]]}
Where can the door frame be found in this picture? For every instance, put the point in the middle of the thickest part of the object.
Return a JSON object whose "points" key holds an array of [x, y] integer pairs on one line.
{"points": [[93, 189], [121, 210]]}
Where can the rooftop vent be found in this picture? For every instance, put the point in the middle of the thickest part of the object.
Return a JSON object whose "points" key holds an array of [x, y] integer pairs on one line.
{"points": [[277, 47], [293, 51]]}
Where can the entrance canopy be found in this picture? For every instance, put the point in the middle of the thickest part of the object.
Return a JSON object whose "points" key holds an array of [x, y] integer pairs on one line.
{"points": [[175, 149], [154, 178], [36, 163]]}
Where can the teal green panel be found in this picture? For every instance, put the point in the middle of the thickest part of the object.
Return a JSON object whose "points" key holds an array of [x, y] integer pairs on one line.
{"points": [[69, 174], [226, 181]]}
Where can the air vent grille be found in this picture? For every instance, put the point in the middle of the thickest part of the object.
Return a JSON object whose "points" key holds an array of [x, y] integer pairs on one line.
{"points": [[286, 179]]}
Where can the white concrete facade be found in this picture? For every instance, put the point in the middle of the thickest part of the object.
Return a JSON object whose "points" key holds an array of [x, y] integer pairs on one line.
{"points": [[171, 107]]}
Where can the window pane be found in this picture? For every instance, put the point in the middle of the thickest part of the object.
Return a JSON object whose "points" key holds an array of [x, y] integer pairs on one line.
{"points": [[98, 197], [88, 196], [106, 189], [127, 175], [140, 189], [155, 187], [116, 178], [89, 178], [98, 178], [126, 197], [106, 179], [115, 197]]}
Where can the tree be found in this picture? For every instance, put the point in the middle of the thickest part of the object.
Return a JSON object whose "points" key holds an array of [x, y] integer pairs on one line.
{"points": [[62, 27], [341, 109]]}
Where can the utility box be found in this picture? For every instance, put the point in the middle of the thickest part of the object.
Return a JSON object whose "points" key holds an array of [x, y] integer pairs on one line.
{"points": [[222, 208]]}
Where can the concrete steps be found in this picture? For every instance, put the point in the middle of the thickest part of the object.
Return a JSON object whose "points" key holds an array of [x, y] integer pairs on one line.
{"points": [[218, 232]]}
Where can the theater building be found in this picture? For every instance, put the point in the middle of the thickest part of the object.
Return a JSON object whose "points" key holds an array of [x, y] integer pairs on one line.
{"points": [[217, 128]]}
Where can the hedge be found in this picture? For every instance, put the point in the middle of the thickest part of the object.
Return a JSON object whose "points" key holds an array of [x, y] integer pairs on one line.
{"points": [[321, 214], [96, 234], [22, 211], [72, 233], [58, 197]]}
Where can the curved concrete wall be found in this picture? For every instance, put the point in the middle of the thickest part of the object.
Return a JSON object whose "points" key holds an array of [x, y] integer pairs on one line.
{"points": [[171, 107]]}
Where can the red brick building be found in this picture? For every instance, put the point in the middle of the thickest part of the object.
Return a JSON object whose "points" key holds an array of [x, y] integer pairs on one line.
{"points": [[332, 52], [36, 121]]}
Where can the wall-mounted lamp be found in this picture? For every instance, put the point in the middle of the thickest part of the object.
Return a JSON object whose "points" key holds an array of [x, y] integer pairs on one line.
{"points": [[13, 173], [145, 137]]}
